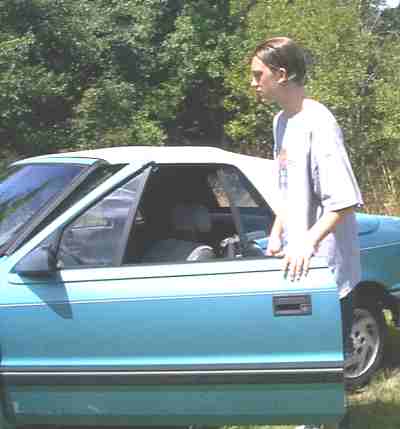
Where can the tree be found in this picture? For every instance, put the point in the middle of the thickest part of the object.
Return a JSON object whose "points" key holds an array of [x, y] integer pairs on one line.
{"points": [[46, 57], [89, 73], [93, 73], [389, 22]]}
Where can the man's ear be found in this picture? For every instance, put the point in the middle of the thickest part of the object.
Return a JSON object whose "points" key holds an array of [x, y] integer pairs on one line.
{"points": [[283, 76]]}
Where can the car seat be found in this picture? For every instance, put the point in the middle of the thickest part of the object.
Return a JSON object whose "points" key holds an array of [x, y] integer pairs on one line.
{"points": [[189, 223]]}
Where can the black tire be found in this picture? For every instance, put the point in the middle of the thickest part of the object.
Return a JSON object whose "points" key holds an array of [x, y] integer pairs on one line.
{"points": [[368, 332]]}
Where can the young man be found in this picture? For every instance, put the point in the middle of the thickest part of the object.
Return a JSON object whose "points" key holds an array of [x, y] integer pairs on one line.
{"points": [[316, 182]]}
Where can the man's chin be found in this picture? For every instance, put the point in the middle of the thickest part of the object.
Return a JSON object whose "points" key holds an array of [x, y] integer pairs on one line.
{"points": [[262, 99]]}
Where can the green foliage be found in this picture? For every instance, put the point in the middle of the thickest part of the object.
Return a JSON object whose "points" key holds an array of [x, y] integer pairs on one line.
{"points": [[389, 22], [93, 73], [381, 155], [109, 115], [40, 75], [88, 73], [331, 35]]}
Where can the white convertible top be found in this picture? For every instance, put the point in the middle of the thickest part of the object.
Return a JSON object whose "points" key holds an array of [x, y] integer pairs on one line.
{"points": [[259, 171], [158, 154]]}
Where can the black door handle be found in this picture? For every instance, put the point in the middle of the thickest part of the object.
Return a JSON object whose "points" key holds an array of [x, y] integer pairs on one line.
{"points": [[292, 305]]}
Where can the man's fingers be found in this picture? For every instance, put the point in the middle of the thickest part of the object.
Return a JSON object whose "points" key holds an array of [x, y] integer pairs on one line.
{"points": [[295, 272], [286, 265], [299, 268], [306, 266], [295, 267]]}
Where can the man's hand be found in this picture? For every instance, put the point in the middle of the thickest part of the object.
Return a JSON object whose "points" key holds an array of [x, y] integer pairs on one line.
{"points": [[275, 247], [297, 260]]}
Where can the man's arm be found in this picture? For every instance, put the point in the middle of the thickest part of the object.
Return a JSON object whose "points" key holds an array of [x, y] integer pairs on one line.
{"points": [[297, 259], [275, 245]]}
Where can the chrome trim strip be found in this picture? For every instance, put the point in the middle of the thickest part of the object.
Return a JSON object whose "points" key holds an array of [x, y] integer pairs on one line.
{"points": [[377, 246], [279, 376], [276, 366], [222, 372], [152, 298]]}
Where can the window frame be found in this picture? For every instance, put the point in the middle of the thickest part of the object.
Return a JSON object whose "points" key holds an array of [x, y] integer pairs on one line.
{"points": [[41, 218], [129, 228], [117, 259], [210, 167]]}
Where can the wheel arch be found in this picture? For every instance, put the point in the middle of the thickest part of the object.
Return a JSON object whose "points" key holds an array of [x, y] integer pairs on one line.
{"points": [[369, 299], [369, 292]]}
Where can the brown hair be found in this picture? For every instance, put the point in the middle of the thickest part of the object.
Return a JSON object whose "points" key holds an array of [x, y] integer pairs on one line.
{"points": [[282, 52]]}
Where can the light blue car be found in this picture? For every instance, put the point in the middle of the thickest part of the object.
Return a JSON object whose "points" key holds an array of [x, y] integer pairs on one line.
{"points": [[134, 291]]}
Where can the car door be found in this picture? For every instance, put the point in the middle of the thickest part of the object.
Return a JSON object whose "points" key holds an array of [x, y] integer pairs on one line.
{"points": [[215, 342]]}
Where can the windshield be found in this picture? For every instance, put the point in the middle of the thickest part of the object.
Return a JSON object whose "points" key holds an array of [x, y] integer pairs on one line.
{"points": [[26, 189]]}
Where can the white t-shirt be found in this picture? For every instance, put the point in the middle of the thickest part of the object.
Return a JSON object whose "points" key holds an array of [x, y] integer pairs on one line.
{"points": [[315, 176]]}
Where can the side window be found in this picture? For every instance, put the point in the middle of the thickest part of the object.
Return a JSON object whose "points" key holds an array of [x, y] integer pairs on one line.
{"points": [[239, 192], [242, 218], [94, 237], [231, 188]]}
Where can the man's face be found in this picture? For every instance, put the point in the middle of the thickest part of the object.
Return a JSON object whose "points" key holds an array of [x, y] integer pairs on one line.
{"points": [[263, 80]]}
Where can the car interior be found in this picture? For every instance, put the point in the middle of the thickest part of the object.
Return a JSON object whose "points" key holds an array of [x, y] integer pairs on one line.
{"points": [[186, 214]]}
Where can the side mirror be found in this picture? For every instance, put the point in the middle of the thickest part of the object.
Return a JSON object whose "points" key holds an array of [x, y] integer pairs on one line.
{"points": [[40, 262]]}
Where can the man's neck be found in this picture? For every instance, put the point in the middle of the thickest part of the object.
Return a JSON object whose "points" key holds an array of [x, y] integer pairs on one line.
{"points": [[291, 99]]}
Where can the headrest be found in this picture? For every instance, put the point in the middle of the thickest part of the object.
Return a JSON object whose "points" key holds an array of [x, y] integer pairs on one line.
{"points": [[191, 218]]}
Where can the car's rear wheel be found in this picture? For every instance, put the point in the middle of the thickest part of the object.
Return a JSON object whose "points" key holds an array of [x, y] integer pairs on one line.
{"points": [[368, 332]]}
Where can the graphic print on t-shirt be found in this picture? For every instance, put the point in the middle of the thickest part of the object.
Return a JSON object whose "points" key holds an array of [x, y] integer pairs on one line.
{"points": [[283, 169]]}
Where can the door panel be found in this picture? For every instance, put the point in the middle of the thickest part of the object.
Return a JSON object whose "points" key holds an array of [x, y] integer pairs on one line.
{"points": [[174, 344]]}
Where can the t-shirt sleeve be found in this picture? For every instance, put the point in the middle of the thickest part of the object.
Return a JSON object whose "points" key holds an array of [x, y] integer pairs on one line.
{"points": [[333, 177]]}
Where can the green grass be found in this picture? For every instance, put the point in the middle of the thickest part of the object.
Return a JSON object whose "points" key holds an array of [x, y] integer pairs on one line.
{"points": [[378, 404]]}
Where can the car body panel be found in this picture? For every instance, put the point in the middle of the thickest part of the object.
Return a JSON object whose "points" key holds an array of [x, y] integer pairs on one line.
{"points": [[378, 230], [178, 405], [380, 249], [380, 266], [219, 342], [213, 347], [367, 224]]}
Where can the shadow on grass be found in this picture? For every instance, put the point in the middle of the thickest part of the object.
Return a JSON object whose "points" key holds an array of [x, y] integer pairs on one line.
{"points": [[379, 415], [392, 350]]}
